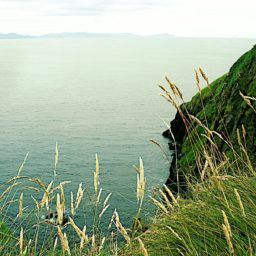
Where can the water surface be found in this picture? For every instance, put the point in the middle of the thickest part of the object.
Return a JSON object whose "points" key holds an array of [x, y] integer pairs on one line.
{"points": [[97, 95]]}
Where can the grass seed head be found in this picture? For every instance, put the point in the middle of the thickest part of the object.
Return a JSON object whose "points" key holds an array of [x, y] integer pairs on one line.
{"points": [[228, 238], [79, 195], [120, 228], [21, 241], [170, 194], [240, 202], [59, 209], [21, 206], [159, 205], [64, 241], [96, 175], [142, 247], [45, 199]]}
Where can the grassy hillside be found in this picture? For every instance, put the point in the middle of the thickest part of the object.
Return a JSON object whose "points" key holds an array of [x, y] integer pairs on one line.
{"points": [[195, 226], [219, 107], [212, 172]]}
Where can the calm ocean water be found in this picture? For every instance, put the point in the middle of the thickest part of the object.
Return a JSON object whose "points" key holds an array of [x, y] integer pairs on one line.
{"points": [[97, 96]]}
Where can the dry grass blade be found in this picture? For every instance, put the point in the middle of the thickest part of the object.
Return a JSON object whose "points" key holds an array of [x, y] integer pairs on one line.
{"points": [[62, 197], [96, 175], [197, 80], [204, 170], [61, 185], [179, 92], [106, 200], [55, 243], [102, 243], [103, 211], [209, 132], [204, 76], [56, 159], [72, 204], [210, 163], [22, 165], [158, 204], [240, 202], [238, 137], [169, 99], [82, 242], [228, 238], [210, 140], [166, 199], [37, 204], [141, 182], [163, 89], [112, 220], [21, 206], [80, 233], [79, 195], [31, 189], [21, 241], [174, 88], [161, 148], [244, 132], [248, 99], [226, 223], [142, 247], [7, 190], [45, 199], [174, 233], [168, 96], [93, 246], [59, 209], [136, 168], [244, 150], [38, 182], [170, 194], [64, 241], [120, 228], [13, 179], [98, 196]]}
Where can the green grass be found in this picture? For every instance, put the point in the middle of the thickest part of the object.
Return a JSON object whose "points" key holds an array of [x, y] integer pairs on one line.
{"points": [[216, 215], [198, 222]]}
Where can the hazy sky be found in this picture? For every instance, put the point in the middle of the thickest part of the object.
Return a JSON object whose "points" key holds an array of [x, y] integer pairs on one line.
{"points": [[216, 18]]}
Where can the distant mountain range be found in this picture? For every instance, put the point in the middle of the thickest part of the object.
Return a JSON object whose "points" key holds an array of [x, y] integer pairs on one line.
{"points": [[78, 34], [13, 36]]}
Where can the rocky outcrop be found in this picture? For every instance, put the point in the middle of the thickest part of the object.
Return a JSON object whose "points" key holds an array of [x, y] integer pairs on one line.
{"points": [[221, 108]]}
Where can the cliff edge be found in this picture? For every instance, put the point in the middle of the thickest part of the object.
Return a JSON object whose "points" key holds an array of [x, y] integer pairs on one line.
{"points": [[223, 106]]}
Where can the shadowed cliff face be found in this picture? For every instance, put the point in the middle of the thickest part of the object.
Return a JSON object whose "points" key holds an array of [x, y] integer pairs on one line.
{"points": [[221, 108]]}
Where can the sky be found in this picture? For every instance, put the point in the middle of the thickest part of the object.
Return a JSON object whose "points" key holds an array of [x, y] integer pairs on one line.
{"points": [[186, 18]]}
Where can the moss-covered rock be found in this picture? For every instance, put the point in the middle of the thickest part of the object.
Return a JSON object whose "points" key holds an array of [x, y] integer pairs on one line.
{"points": [[221, 108]]}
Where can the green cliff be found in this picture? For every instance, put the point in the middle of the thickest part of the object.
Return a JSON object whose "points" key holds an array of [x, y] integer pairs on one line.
{"points": [[214, 164], [219, 107]]}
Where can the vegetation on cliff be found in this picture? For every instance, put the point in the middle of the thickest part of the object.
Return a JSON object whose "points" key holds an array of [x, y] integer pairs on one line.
{"points": [[208, 207], [212, 172], [221, 107]]}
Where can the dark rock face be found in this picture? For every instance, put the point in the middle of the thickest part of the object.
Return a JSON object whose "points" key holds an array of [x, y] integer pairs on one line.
{"points": [[221, 108], [177, 128], [176, 134]]}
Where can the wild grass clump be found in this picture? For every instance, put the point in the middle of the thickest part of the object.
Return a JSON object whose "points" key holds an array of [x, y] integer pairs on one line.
{"points": [[218, 220], [50, 226], [211, 211], [215, 214]]}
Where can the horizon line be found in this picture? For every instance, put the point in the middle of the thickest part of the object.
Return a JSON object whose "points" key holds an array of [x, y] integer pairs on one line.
{"points": [[121, 33]]}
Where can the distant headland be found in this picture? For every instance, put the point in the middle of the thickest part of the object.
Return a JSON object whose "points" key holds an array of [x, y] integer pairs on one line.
{"points": [[79, 35]]}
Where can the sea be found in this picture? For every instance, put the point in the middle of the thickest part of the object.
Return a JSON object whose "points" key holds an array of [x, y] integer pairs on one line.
{"points": [[98, 96]]}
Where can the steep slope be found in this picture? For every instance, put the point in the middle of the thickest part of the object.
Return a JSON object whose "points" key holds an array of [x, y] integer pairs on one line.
{"points": [[219, 107]]}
